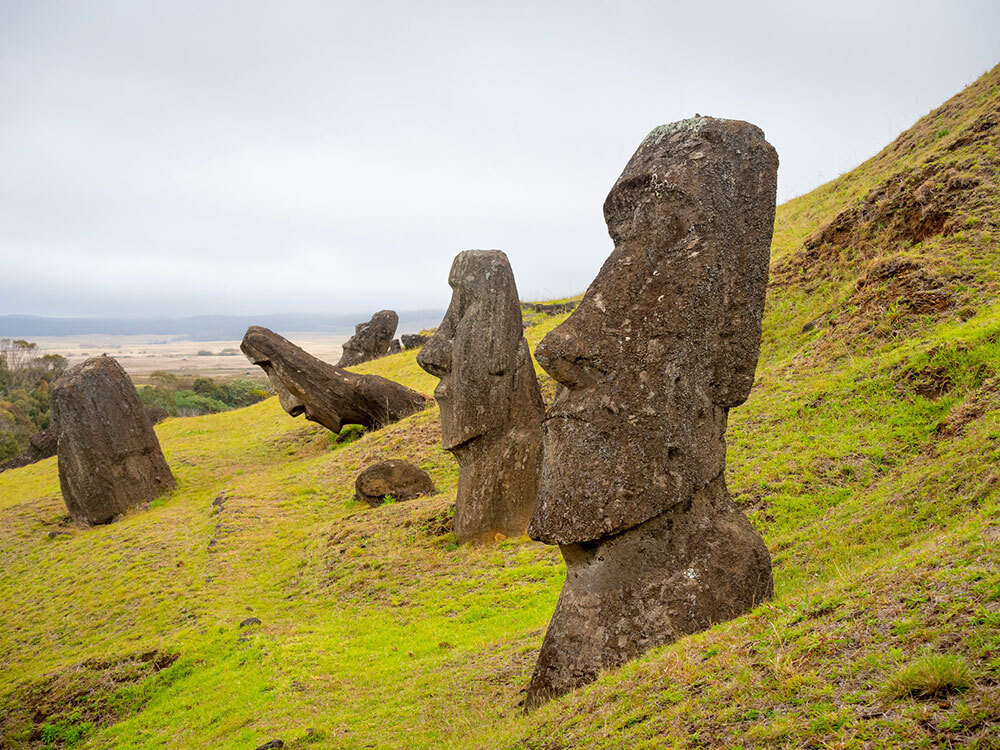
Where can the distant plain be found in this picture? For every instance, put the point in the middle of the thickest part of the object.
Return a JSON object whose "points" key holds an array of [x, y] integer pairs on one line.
{"points": [[142, 355]]}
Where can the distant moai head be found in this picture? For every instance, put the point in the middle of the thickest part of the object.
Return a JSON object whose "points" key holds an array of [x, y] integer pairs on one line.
{"points": [[666, 338], [476, 349]]}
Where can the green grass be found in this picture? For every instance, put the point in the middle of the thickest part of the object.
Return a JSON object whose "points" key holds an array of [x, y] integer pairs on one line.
{"points": [[868, 456], [931, 676]]}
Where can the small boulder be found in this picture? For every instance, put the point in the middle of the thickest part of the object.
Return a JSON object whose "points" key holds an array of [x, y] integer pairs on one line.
{"points": [[249, 621], [394, 478], [394, 347]]}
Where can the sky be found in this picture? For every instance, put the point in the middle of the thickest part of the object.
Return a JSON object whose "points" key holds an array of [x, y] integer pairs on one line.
{"points": [[182, 158]]}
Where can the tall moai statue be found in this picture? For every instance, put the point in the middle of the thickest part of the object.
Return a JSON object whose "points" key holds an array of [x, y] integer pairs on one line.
{"points": [[109, 457], [664, 343], [491, 408]]}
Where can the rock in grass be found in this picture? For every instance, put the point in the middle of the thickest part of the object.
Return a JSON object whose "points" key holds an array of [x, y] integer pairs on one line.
{"points": [[327, 395], [370, 340], [272, 745], [250, 621], [491, 408], [109, 457], [394, 478], [664, 343]]}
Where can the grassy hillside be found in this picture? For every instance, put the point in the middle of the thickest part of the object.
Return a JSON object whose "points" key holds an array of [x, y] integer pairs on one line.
{"points": [[868, 455]]}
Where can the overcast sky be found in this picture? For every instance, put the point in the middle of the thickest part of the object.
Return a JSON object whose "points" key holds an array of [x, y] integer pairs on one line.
{"points": [[177, 158]]}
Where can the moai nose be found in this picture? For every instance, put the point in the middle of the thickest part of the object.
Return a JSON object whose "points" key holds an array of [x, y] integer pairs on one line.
{"points": [[565, 355], [435, 355]]}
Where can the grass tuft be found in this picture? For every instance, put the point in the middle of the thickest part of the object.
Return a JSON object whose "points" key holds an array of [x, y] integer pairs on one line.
{"points": [[931, 676]]}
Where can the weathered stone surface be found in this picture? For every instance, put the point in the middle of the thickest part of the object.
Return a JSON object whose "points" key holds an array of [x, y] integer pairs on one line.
{"points": [[663, 344], [394, 347], [394, 478], [40, 445], [413, 340], [109, 457], [370, 340], [326, 394], [695, 565], [491, 408]]}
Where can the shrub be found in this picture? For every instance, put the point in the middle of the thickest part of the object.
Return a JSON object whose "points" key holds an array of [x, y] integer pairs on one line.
{"points": [[931, 676], [241, 392], [154, 395], [189, 404], [9, 447], [204, 387]]}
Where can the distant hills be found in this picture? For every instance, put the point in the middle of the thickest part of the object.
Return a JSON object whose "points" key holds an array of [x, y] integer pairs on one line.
{"points": [[203, 327]]}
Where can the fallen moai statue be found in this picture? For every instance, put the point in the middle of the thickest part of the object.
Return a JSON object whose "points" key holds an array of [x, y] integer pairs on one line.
{"points": [[41, 445], [663, 344], [556, 308], [371, 340], [413, 340], [394, 478], [326, 394], [491, 408], [109, 457]]}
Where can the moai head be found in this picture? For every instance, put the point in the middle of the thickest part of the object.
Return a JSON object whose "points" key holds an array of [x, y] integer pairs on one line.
{"points": [[259, 349], [476, 349], [666, 338]]}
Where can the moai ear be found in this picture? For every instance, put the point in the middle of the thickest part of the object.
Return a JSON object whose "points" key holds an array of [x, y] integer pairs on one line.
{"points": [[744, 268], [501, 309]]}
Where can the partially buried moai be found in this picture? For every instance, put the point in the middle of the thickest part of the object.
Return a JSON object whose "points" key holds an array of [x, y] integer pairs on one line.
{"points": [[371, 340], [109, 457], [491, 408], [664, 343]]}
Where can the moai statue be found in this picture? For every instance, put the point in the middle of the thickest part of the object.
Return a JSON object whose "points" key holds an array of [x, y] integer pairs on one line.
{"points": [[491, 408], [664, 343], [371, 340], [327, 395], [109, 457]]}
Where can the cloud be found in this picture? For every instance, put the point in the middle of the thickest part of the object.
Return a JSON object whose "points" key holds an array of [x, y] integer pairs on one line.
{"points": [[184, 157]]}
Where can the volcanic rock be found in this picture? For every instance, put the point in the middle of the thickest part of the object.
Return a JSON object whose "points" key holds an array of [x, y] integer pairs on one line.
{"points": [[394, 478], [491, 408], [663, 344], [325, 394], [394, 347], [109, 457], [413, 340], [370, 340]]}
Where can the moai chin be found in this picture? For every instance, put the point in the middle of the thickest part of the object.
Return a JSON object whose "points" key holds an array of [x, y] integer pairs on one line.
{"points": [[109, 457], [491, 408], [663, 344]]}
